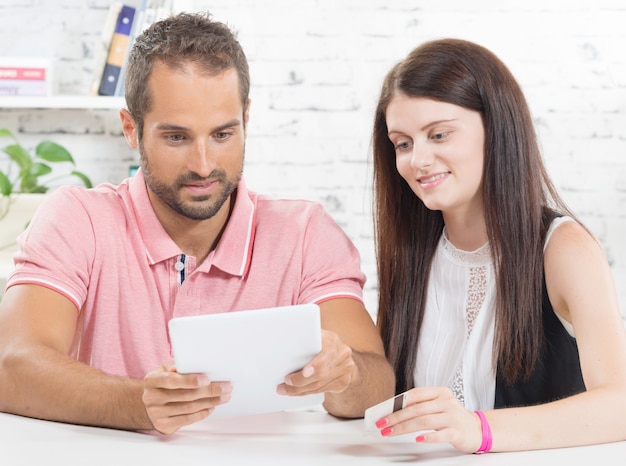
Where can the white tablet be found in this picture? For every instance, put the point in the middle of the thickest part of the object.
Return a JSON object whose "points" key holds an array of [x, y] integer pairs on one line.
{"points": [[254, 350]]}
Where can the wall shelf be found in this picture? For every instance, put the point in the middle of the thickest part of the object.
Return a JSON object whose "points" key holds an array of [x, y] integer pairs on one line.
{"points": [[63, 102]]}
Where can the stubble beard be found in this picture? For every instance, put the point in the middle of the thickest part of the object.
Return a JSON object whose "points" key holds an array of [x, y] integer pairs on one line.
{"points": [[200, 207]]}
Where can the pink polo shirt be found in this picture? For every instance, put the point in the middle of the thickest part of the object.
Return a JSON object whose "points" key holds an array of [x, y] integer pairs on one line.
{"points": [[105, 250]]}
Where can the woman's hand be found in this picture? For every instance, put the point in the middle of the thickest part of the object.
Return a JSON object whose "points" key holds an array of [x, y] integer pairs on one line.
{"points": [[437, 416]]}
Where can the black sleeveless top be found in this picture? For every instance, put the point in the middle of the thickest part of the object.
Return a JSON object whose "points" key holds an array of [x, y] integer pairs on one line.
{"points": [[557, 373]]}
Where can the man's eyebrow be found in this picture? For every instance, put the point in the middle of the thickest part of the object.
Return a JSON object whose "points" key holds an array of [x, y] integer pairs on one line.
{"points": [[173, 127], [169, 127], [230, 124]]}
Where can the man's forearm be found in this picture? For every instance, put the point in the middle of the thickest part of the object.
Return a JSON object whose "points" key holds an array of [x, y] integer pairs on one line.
{"points": [[45, 384], [372, 383]]}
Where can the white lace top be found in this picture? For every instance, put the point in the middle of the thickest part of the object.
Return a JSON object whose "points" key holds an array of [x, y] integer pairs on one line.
{"points": [[456, 340]]}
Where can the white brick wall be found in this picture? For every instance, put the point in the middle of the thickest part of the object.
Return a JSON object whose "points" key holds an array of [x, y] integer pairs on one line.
{"points": [[316, 70]]}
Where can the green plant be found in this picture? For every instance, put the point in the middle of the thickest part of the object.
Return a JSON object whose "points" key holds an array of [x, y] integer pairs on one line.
{"points": [[24, 171]]}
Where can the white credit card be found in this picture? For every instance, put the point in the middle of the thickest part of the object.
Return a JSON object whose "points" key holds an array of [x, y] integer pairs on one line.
{"points": [[381, 410]]}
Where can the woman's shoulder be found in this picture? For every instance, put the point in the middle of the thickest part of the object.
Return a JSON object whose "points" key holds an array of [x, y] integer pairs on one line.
{"points": [[566, 232], [573, 260], [569, 244], [557, 222]]}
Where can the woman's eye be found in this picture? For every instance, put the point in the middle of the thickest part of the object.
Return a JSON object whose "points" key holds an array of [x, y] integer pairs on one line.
{"points": [[439, 136], [402, 145]]}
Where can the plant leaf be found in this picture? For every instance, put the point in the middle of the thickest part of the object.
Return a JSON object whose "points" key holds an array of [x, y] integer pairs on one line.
{"points": [[5, 185], [28, 185], [5, 133], [39, 169], [84, 178], [29, 179], [53, 152], [19, 155]]}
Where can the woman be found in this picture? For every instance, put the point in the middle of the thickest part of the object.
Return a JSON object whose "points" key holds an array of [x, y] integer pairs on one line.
{"points": [[492, 294]]}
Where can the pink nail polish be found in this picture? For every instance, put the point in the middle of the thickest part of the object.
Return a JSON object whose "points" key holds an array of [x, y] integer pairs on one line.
{"points": [[382, 422], [386, 431], [420, 439]]}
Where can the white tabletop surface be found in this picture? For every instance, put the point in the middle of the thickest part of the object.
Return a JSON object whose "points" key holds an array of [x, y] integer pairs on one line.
{"points": [[294, 438]]}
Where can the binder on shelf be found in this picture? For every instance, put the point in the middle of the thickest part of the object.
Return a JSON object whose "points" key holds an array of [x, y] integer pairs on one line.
{"points": [[117, 51], [102, 50]]}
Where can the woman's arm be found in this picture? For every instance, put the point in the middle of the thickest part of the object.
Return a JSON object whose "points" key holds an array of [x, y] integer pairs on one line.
{"points": [[581, 290]]}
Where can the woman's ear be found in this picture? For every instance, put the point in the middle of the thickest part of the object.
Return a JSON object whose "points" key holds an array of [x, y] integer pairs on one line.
{"points": [[129, 128]]}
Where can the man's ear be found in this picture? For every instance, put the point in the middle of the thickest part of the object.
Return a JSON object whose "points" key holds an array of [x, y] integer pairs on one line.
{"points": [[129, 128], [246, 114]]}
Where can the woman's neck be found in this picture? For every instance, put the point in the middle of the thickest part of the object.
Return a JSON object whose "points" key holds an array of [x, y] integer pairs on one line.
{"points": [[468, 233]]}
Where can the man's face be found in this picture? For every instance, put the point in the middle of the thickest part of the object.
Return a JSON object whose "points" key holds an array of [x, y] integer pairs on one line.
{"points": [[192, 149]]}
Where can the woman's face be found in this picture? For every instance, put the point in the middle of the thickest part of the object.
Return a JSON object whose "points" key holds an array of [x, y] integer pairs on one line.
{"points": [[439, 152]]}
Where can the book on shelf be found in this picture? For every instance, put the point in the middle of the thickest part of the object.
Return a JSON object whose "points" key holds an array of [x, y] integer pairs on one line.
{"points": [[24, 76], [117, 51], [102, 48], [148, 12]]}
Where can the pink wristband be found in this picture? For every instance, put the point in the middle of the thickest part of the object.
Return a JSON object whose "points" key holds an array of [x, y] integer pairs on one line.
{"points": [[486, 430]]}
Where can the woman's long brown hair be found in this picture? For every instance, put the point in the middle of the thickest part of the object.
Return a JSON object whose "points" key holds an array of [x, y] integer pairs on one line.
{"points": [[518, 195]]}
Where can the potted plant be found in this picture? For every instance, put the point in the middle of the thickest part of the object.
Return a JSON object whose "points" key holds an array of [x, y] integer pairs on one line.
{"points": [[22, 181]]}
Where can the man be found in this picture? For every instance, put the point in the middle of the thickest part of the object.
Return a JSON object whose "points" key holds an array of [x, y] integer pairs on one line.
{"points": [[83, 323]]}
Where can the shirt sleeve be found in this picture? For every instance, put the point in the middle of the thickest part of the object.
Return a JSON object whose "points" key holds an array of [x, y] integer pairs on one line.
{"points": [[331, 262], [56, 249]]}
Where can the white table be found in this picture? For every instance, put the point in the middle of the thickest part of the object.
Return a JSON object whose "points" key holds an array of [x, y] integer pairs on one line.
{"points": [[293, 438]]}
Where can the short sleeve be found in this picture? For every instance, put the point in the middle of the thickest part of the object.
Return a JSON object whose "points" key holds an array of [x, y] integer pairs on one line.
{"points": [[331, 262], [56, 250]]}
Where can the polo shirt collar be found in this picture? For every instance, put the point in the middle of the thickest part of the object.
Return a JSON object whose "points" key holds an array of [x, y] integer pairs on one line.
{"points": [[233, 252]]}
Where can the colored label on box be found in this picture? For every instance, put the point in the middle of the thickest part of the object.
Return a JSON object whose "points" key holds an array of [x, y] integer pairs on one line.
{"points": [[37, 74]]}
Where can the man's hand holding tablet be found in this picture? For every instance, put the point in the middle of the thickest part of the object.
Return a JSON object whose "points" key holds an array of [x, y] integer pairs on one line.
{"points": [[236, 363]]}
